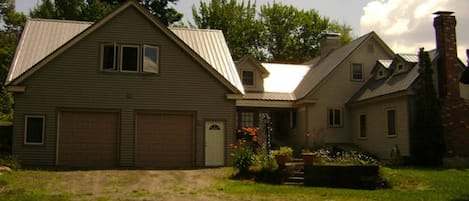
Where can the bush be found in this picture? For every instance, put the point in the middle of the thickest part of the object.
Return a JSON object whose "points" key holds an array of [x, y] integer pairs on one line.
{"points": [[283, 151], [11, 162]]}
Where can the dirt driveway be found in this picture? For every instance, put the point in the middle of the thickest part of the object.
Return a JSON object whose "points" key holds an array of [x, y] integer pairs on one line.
{"points": [[202, 184]]}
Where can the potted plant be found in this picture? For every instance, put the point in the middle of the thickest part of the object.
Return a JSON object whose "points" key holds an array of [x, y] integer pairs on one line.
{"points": [[282, 155], [308, 158]]}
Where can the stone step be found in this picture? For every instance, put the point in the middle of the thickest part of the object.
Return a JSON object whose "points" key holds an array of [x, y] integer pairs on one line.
{"points": [[293, 183]]}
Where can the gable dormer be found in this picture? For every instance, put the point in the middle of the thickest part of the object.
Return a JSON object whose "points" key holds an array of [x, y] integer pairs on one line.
{"points": [[403, 63], [251, 73], [381, 69]]}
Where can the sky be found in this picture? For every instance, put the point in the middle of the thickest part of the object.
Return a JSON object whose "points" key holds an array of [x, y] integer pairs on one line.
{"points": [[405, 25]]}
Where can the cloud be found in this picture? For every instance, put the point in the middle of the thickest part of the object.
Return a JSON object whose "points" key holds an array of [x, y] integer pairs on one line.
{"points": [[407, 25]]}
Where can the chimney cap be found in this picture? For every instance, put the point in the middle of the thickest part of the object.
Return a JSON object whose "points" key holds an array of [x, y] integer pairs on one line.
{"points": [[443, 13], [332, 35]]}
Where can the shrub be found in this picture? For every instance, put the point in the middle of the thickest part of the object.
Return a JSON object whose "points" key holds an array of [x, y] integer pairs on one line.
{"points": [[11, 162], [327, 157], [243, 157], [283, 151]]}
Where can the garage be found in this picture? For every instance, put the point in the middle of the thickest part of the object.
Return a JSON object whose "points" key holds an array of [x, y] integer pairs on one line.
{"points": [[88, 139], [164, 140]]}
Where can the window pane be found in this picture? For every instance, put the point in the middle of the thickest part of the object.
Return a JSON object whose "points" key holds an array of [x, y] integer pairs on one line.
{"points": [[129, 58], [337, 116], [391, 122], [362, 125], [357, 72], [248, 78], [109, 57], [150, 59], [34, 129], [246, 120], [331, 117]]}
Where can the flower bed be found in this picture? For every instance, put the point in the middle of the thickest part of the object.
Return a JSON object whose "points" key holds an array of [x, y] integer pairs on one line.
{"points": [[354, 176]]}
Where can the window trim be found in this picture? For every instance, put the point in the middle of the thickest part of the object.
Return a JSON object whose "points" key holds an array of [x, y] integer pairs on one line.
{"points": [[341, 117], [43, 117], [352, 65], [253, 77], [121, 53], [115, 60], [157, 58], [360, 130], [387, 122]]}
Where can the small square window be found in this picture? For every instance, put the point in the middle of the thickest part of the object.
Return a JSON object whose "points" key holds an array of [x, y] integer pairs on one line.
{"points": [[34, 129], [246, 119], [357, 72], [129, 58], [362, 126], [248, 78], [334, 117], [391, 122], [150, 59]]}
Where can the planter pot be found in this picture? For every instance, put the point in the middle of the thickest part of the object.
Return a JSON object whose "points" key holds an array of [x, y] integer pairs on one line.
{"points": [[281, 159], [308, 159]]}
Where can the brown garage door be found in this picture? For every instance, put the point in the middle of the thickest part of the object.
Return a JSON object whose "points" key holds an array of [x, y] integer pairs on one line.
{"points": [[164, 140], [88, 139]]}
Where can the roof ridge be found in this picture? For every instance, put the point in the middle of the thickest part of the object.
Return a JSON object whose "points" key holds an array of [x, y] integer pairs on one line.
{"points": [[60, 21], [194, 29]]}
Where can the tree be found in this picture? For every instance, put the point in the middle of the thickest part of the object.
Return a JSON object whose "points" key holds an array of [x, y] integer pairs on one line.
{"points": [[293, 35], [12, 25], [428, 143], [93, 10], [243, 32]]}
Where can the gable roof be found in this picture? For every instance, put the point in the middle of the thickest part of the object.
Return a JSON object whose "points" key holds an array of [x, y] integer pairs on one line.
{"points": [[258, 65], [325, 66], [46, 39]]}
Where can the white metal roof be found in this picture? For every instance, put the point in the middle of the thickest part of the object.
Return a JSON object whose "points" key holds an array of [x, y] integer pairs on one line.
{"points": [[284, 78], [40, 38]]}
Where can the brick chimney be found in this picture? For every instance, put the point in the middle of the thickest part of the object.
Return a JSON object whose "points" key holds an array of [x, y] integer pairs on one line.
{"points": [[448, 72], [455, 113]]}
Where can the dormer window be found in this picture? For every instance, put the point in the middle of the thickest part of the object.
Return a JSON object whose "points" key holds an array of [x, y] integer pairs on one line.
{"points": [[400, 67], [248, 78], [357, 72], [380, 73]]}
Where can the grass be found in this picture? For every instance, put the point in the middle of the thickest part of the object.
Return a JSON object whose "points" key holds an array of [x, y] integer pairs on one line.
{"points": [[213, 184]]}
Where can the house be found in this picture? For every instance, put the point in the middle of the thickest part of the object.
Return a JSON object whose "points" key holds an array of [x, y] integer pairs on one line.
{"points": [[124, 91], [128, 91]]}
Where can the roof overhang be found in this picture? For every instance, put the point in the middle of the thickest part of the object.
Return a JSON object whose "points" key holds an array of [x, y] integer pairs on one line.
{"points": [[263, 103]]}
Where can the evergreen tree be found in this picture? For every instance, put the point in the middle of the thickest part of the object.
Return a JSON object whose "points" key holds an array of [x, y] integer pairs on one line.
{"points": [[428, 143]]}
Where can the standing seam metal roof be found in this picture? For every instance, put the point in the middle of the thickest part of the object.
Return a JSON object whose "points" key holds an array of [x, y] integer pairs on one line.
{"points": [[41, 37]]}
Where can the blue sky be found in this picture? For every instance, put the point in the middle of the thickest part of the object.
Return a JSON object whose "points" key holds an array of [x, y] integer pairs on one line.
{"points": [[405, 25]]}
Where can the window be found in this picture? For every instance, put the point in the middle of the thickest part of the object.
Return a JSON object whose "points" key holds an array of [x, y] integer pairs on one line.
{"points": [[246, 119], [334, 117], [391, 122], [248, 78], [400, 67], [129, 58], [150, 59], [380, 73], [362, 126], [34, 129], [357, 72], [109, 59]]}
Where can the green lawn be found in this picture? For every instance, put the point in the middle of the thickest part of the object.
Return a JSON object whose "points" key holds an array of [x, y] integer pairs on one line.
{"points": [[213, 184]]}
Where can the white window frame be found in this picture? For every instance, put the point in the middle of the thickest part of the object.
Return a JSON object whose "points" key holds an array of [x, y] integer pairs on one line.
{"points": [[352, 65], [121, 57], [387, 122], [341, 117], [360, 126], [157, 58], [43, 117], [115, 65]]}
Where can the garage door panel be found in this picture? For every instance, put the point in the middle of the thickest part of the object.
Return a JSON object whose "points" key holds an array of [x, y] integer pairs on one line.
{"points": [[164, 140], [88, 139]]}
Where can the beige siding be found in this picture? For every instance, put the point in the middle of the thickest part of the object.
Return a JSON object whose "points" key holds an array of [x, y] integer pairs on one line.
{"points": [[248, 65], [377, 140], [73, 80], [337, 89]]}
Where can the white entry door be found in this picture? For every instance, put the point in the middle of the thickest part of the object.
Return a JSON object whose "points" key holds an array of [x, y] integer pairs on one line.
{"points": [[214, 143]]}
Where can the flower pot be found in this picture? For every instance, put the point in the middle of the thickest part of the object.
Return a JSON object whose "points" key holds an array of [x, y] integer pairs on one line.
{"points": [[281, 159], [308, 159]]}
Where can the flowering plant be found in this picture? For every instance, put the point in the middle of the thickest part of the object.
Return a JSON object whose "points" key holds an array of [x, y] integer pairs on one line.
{"points": [[244, 151]]}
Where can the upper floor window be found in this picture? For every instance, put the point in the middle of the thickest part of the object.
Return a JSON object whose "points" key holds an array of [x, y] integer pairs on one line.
{"points": [[129, 58], [357, 72], [248, 78], [391, 122], [34, 129], [334, 116]]}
